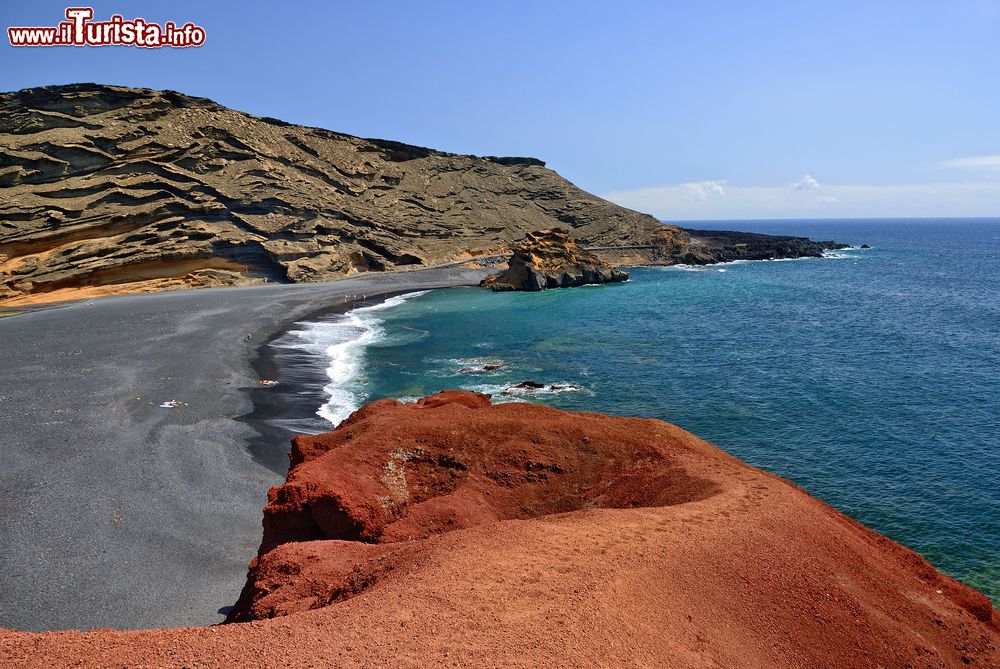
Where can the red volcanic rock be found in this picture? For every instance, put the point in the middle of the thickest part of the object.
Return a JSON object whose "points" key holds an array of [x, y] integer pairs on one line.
{"points": [[454, 532], [396, 472]]}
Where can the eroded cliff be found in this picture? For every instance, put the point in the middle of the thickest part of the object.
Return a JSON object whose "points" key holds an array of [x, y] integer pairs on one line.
{"points": [[552, 259], [119, 189], [106, 189]]}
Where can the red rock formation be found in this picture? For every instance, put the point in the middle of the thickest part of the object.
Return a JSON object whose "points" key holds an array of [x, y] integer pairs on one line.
{"points": [[453, 532], [376, 479]]}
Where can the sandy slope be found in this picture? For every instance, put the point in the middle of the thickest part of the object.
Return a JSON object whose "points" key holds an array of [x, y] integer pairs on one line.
{"points": [[755, 574]]}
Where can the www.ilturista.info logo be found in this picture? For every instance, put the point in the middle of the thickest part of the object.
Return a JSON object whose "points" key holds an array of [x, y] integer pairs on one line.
{"points": [[81, 30]]}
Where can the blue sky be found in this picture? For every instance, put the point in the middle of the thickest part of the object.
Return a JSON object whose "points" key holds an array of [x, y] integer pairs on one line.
{"points": [[688, 110]]}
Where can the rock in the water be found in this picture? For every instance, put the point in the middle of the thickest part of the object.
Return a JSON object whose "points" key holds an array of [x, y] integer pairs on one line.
{"points": [[552, 259]]}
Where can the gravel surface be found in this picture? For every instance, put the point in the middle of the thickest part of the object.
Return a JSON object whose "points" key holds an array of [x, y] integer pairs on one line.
{"points": [[115, 512]]}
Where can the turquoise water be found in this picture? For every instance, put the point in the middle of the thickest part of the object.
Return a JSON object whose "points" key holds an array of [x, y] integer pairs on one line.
{"points": [[871, 378]]}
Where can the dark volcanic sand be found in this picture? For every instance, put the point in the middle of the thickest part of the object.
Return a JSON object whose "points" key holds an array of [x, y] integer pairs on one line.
{"points": [[113, 511], [522, 536]]}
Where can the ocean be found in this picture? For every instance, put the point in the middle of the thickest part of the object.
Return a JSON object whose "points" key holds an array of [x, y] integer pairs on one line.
{"points": [[871, 377]]}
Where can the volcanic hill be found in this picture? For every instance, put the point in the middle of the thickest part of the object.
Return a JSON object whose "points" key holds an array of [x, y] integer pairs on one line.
{"points": [[453, 532], [106, 189]]}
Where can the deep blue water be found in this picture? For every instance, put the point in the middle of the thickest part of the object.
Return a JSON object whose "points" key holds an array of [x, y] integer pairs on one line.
{"points": [[871, 379]]}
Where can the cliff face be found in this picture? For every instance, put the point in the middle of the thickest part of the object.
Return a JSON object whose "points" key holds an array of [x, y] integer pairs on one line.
{"points": [[552, 259], [117, 188], [456, 532]]}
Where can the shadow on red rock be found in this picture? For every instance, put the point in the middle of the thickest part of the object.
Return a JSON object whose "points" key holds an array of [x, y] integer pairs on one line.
{"points": [[395, 472]]}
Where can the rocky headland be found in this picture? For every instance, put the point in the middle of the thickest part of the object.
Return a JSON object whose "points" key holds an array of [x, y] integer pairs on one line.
{"points": [[707, 247], [552, 259], [107, 189], [456, 532]]}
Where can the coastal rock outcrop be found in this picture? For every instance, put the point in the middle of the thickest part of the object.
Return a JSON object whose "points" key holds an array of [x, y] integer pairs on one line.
{"points": [[552, 259], [707, 247], [452, 531]]}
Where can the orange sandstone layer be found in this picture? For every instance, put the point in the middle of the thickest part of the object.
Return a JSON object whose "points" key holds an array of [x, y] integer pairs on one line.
{"points": [[456, 533]]}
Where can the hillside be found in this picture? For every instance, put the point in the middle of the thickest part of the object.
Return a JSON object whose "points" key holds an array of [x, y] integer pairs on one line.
{"points": [[105, 189], [133, 189]]}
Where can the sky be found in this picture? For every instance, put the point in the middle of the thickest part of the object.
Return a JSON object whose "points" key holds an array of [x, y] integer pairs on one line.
{"points": [[686, 110]]}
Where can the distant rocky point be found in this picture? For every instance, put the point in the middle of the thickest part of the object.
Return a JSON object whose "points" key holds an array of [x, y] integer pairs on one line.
{"points": [[552, 259], [107, 189]]}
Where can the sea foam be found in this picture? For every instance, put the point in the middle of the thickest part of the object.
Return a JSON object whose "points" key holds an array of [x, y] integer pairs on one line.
{"points": [[343, 341]]}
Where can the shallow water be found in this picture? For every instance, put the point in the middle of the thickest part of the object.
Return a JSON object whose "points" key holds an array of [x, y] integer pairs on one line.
{"points": [[871, 378]]}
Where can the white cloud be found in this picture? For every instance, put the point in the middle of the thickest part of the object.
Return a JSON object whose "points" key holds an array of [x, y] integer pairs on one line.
{"points": [[699, 191], [805, 183], [974, 163], [709, 200]]}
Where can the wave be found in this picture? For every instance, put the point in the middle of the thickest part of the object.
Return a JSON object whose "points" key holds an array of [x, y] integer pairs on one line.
{"points": [[721, 266], [343, 341], [475, 366], [504, 393], [848, 252]]}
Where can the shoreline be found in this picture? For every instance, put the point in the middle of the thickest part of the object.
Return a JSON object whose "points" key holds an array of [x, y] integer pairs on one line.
{"points": [[120, 513], [286, 402]]}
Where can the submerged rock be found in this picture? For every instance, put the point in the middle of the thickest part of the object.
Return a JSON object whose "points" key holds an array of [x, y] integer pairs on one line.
{"points": [[552, 259], [491, 367]]}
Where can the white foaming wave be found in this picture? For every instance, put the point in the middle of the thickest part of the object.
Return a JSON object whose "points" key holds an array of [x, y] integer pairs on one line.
{"points": [[682, 267], [467, 366], [495, 390], [504, 393], [343, 342], [840, 254], [469, 362], [720, 266]]}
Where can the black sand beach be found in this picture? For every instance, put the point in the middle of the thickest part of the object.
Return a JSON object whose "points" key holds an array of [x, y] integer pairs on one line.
{"points": [[115, 512]]}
